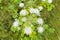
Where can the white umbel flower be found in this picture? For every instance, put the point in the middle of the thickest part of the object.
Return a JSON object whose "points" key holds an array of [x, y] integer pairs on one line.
{"points": [[28, 30], [23, 12], [40, 21], [36, 11], [16, 23], [24, 19], [40, 29], [49, 1], [21, 5], [32, 10], [40, 8]]}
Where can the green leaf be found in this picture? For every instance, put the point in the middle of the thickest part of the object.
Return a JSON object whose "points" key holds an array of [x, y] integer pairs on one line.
{"points": [[45, 26], [51, 30], [17, 1], [13, 29], [50, 7], [15, 14], [0, 1], [20, 20], [26, 24]]}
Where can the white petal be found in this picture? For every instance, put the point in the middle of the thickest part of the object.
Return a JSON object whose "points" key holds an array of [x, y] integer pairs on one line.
{"points": [[31, 10], [40, 8], [49, 1], [40, 21], [40, 29], [23, 12], [36, 11], [21, 5], [28, 30], [16, 23]]}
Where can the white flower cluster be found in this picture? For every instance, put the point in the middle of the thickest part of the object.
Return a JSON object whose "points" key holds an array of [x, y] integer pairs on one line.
{"points": [[36, 11], [40, 8], [40, 29], [21, 5], [32, 10], [16, 24], [49, 1], [40, 21], [28, 30], [24, 13]]}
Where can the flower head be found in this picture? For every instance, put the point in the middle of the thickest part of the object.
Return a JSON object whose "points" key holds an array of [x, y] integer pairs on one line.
{"points": [[28, 30], [49, 1], [40, 8], [40, 29], [16, 23], [40, 21], [36, 11], [21, 5], [32, 10], [23, 12]]}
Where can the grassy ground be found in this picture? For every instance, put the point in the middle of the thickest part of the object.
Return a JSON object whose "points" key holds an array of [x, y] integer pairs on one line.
{"points": [[55, 19], [6, 20]]}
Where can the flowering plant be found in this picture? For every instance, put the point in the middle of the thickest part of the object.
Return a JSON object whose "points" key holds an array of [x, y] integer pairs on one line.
{"points": [[29, 21]]}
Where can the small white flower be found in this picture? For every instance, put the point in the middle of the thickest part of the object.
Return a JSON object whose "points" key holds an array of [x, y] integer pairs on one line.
{"points": [[28, 30], [40, 8], [16, 23], [23, 12], [21, 5], [40, 21], [40, 29], [36, 11], [24, 19], [49, 1], [32, 10]]}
